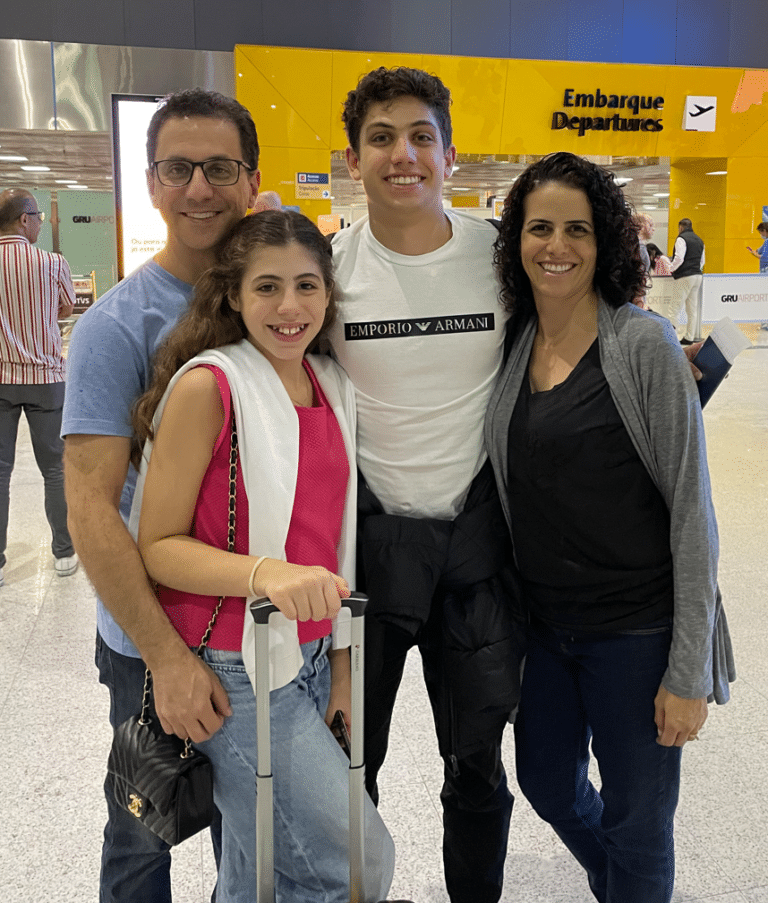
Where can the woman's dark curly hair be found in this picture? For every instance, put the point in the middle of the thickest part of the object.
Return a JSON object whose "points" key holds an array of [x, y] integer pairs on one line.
{"points": [[620, 274], [210, 321]]}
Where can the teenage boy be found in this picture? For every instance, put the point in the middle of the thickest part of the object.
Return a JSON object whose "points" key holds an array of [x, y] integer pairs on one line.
{"points": [[420, 333], [109, 367]]}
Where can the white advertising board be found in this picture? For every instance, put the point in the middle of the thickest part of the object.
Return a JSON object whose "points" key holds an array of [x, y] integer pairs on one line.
{"points": [[742, 297], [141, 232]]}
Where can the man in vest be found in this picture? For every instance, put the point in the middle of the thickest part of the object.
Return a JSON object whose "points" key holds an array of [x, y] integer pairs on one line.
{"points": [[686, 268]]}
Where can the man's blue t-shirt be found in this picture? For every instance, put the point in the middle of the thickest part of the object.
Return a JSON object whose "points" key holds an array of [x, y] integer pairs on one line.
{"points": [[109, 367]]}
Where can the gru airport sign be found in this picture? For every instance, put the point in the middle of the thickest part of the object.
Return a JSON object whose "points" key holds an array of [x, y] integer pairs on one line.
{"points": [[634, 112]]}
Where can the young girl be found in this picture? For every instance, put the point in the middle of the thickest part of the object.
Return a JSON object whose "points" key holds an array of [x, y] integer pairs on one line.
{"points": [[237, 359]]}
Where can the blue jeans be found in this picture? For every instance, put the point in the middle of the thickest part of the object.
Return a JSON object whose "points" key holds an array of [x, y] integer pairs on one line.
{"points": [[135, 863], [582, 687], [310, 783], [42, 407]]}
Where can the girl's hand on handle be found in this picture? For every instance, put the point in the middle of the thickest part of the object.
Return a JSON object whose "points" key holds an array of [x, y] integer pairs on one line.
{"points": [[301, 593]]}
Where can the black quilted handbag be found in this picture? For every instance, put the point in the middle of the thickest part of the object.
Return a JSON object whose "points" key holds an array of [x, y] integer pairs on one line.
{"points": [[157, 777], [162, 780]]}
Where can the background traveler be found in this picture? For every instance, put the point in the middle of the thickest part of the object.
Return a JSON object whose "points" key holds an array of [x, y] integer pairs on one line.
{"points": [[596, 403], [686, 268], [267, 200], [762, 255], [645, 230], [762, 252], [35, 290], [109, 368], [659, 261]]}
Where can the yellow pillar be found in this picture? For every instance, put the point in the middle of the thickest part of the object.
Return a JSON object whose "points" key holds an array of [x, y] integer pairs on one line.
{"points": [[290, 108], [746, 197], [701, 197]]}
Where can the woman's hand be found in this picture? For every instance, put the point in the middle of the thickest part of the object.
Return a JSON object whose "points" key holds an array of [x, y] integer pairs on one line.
{"points": [[678, 720], [301, 593], [341, 687], [690, 352]]}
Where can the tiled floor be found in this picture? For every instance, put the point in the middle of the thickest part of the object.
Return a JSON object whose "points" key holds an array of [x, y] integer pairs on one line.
{"points": [[54, 717]]}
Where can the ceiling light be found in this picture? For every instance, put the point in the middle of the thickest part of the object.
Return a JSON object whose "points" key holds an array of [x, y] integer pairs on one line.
{"points": [[12, 158], [456, 168], [661, 194], [461, 189], [623, 180], [66, 181], [36, 168], [719, 172]]}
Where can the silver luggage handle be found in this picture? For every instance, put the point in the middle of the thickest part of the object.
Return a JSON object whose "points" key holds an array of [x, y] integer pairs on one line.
{"points": [[261, 611]]}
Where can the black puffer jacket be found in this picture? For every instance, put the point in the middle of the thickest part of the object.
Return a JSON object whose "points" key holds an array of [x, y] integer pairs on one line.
{"points": [[452, 586]]}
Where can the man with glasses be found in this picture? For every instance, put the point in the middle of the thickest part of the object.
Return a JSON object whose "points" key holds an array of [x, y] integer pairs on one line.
{"points": [[202, 175], [35, 290]]}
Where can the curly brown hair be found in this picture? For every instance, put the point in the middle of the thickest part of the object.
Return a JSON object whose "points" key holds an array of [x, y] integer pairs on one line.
{"points": [[384, 85], [620, 275], [210, 321]]}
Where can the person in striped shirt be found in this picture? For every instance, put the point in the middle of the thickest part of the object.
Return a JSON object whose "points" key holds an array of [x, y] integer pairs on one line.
{"points": [[35, 290]]}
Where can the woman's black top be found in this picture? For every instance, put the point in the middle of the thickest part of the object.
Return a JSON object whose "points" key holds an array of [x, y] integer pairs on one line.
{"points": [[590, 528]]}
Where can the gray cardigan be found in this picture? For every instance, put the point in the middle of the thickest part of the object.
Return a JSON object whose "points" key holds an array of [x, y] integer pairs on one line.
{"points": [[652, 387]]}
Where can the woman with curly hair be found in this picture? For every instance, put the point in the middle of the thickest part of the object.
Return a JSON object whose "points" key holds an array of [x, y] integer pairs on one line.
{"points": [[596, 437]]}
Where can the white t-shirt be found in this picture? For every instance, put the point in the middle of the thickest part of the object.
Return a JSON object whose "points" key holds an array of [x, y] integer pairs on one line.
{"points": [[421, 339]]}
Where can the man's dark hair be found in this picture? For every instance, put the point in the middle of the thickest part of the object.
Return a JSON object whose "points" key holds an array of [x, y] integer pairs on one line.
{"points": [[762, 227], [686, 224], [13, 203], [385, 85], [620, 274], [210, 104]]}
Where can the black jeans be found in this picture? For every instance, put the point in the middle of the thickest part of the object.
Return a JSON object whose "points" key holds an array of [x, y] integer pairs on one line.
{"points": [[477, 804]]}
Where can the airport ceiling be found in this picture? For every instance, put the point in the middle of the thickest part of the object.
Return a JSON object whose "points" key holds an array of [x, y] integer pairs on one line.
{"points": [[86, 157]]}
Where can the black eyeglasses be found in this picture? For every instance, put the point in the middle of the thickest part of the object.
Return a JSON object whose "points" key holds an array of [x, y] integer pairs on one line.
{"points": [[36, 213], [176, 173]]}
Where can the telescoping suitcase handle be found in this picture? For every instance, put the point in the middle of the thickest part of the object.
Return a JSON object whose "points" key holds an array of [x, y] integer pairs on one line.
{"points": [[352, 615]]}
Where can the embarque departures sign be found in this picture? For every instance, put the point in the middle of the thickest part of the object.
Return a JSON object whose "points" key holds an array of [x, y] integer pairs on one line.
{"points": [[634, 112]]}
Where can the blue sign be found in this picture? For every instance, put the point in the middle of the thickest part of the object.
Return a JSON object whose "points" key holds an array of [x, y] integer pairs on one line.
{"points": [[312, 178]]}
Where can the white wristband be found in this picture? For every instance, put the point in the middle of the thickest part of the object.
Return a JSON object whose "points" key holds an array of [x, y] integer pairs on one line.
{"points": [[259, 562]]}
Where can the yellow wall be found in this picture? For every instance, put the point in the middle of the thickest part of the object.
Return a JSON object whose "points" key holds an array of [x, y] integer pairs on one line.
{"points": [[506, 107], [701, 198]]}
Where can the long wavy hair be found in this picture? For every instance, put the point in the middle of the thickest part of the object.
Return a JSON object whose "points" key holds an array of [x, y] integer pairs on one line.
{"points": [[620, 275], [211, 321]]}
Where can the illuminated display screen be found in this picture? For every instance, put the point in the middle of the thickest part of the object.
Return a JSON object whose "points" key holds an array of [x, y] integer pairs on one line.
{"points": [[141, 232]]}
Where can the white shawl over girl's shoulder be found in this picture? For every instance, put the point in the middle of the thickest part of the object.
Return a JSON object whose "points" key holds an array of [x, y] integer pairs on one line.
{"points": [[268, 441]]}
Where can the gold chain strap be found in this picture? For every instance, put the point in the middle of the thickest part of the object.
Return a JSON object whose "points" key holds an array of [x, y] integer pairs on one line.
{"points": [[143, 718]]}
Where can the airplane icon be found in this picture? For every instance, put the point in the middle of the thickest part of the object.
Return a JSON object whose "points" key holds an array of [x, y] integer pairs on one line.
{"points": [[701, 111]]}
